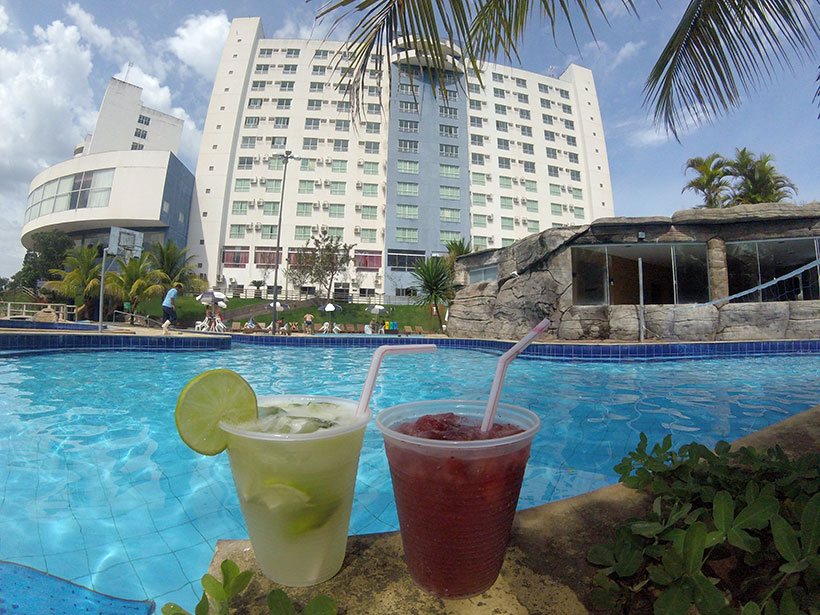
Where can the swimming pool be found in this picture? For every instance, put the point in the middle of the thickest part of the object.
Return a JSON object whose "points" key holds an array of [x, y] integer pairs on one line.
{"points": [[96, 487]]}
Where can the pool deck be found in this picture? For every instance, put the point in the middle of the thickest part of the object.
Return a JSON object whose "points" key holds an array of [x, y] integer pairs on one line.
{"points": [[545, 570]]}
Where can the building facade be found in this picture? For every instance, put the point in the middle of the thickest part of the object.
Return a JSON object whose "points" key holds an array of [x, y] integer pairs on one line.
{"points": [[491, 163], [124, 174]]}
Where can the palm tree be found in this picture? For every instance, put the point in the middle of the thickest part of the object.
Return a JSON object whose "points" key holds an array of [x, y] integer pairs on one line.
{"points": [[136, 280], [711, 181], [80, 275], [173, 262], [434, 284], [455, 248], [719, 48], [757, 180]]}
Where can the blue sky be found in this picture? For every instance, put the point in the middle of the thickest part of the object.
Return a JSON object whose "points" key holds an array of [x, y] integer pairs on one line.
{"points": [[56, 59]]}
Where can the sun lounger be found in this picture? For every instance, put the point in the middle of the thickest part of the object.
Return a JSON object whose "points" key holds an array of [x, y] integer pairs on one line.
{"points": [[419, 330], [349, 328], [408, 330], [236, 327]]}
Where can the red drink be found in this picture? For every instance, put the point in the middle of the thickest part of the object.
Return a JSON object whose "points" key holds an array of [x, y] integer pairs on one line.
{"points": [[456, 491]]}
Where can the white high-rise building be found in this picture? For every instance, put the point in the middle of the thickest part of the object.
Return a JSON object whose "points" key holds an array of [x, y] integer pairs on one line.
{"points": [[490, 164]]}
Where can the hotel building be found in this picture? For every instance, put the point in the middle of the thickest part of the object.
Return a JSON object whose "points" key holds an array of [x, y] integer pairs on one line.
{"points": [[412, 171]]}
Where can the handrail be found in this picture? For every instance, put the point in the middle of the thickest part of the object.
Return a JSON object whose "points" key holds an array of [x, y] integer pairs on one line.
{"points": [[8, 309], [139, 320]]}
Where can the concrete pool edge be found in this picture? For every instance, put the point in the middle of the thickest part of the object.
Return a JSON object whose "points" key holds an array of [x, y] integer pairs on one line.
{"points": [[545, 570]]}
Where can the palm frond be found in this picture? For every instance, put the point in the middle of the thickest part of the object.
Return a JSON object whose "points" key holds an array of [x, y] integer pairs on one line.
{"points": [[722, 48]]}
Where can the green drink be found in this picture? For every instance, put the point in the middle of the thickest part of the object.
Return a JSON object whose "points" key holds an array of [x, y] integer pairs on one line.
{"points": [[295, 471]]}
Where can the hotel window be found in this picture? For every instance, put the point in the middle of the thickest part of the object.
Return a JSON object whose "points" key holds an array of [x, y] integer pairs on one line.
{"points": [[237, 231], [575, 175], [264, 255], [546, 118], [578, 212], [254, 103], [571, 140], [343, 106], [370, 190], [319, 70], [528, 148], [407, 106], [473, 88], [408, 126], [479, 242], [368, 235], [407, 212], [242, 185], [270, 208], [448, 112], [506, 202], [245, 163], [235, 256], [506, 223], [314, 104], [546, 104], [408, 146], [450, 132], [251, 122], [338, 166], [505, 181], [475, 105], [524, 114], [403, 261], [408, 166], [448, 151], [372, 128], [261, 69], [239, 208], [529, 166], [283, 103], [477, 159], [566, 108], [506, 242], [342, 88], [370, 212], [521, 83], [304, 210], [257, 86], [336, 210], [320, 54], [342, 125], [144, 120], [407, 235], [499, 93], [406, 88], [305, 186], [478, 199], [480, 220], [367, 260], [312, 123], [281, 122], [552, 152], [407, 189], [523, 98], [371, 168], [552, 171], [291, 53], [569, 124], [447, 236], [273, 186], [572, 157], [530, 185], [532, 226], [289, 69], [338, 188], [286, 86], [498, 78], [526, 131], [501, 109], [556, 209], [449, 170], [476, 122], [477, 140], [449, 193], [336, 232], [266, 53], [340, 145], [268, 231], [278, 143], [307, 164], [310, 143], [503, 144], [532, 205], [374, 108], [316, 86], [577, 193], [302, 233], [504, 163], [448, 214], [555, 190], [371, 147], [139, 146], [501, 126], [549, 135]]}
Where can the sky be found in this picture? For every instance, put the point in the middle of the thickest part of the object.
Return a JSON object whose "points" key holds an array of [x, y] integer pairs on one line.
{"points": [[56, 59]]}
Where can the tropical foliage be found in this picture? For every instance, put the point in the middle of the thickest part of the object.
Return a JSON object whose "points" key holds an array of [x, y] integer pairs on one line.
{"points": [[79, 277], [725, 182], [434, 284], [48, 251], [455, 248], [719, 49], [136, 280], [175, 265]]}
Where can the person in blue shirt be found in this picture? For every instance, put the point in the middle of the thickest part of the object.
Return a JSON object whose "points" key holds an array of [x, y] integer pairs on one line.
{"points": [[169, 309]]}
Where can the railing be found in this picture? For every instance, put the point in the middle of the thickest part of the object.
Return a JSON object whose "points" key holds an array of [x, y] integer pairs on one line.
{"points": [[290, 295], [15, 309], [138, 320]]}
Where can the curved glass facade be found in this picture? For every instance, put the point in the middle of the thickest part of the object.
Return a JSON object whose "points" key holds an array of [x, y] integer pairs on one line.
{"points": [[76, 191]]}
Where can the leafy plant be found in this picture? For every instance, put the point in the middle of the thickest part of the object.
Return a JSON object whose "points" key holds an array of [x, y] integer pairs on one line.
{"points": [[234, 583], [729, 532]]}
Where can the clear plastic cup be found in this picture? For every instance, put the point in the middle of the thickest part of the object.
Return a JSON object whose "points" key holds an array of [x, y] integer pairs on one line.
{"points": [[296, 493], [456, 500]]}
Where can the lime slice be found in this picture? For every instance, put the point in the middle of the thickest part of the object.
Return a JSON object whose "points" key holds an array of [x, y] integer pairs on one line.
{"points": [[213, 396], [277, 495]]}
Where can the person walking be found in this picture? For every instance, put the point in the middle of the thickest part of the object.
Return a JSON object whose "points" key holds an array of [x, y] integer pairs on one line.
{"points": [[169, 309]]}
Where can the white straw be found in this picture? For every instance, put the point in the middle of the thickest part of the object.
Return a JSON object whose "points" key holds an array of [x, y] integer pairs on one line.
{"points": [[375, 362], [501, 370]]}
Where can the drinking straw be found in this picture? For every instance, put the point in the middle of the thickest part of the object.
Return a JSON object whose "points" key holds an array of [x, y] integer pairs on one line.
{"points": [[376, 361], [501, 370]]}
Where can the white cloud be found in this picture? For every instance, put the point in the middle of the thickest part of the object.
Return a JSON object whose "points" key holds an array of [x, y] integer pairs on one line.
{"points": [[629, 50], [198, 42], [302, 24], [4, 20]]}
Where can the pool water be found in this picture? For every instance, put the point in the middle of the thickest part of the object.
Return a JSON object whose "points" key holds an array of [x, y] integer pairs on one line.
{"points": [[96, 487]]}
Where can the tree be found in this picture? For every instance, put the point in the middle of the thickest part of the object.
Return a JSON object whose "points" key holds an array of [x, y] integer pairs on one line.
{"points": [[434, 284], [80, 276], [455, 248], [48, 251], [175, 264], [136, 280], [711, 181], [328, 258], [719, 48], [756, 180]]}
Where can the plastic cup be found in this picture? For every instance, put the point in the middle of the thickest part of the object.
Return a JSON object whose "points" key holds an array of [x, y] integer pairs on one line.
{"points": [[456, 500], [296, 493]]}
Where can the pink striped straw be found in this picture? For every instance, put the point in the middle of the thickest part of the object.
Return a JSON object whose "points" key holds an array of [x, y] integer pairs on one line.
{"points": [[501, 371], [376, 361]]}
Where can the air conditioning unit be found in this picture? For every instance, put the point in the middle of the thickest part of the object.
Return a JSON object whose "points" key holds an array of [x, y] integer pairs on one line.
{"points": [[489, 197], [256, 159], [563, 188], [515, 180], [314, 229], [566, 207], [358, 184], [262, 180], [357, 230], [265, 158], [489, 176], [318, 182], [491, 240], [325, 205], [220, 277], [358, 207], [522, 180], [518, 220], [515, 199], [327, 183], [257, 226], [316, 205], [328, 160], [249, 226], [361, 162], [489, 217], [324, 227], [319, 162], [254, 180]]}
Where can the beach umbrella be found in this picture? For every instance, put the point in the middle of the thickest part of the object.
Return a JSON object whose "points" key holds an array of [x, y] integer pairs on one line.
{"points": [[280, 306], [209, 297], [331, 307], [377, 309], [222, 304]]}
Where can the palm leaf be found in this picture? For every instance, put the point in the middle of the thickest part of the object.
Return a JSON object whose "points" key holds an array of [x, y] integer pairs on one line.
{"points": [[721, 48]]}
